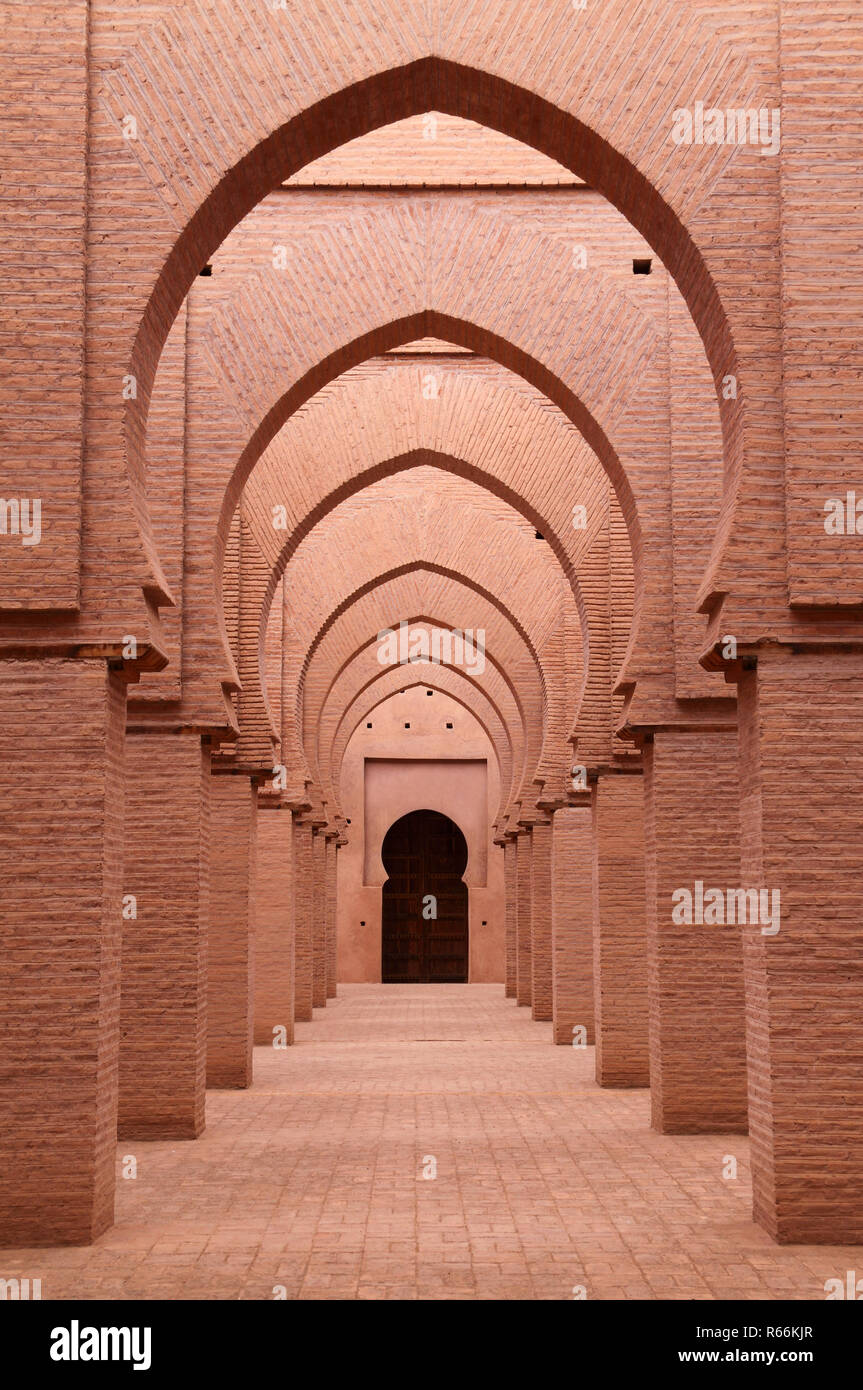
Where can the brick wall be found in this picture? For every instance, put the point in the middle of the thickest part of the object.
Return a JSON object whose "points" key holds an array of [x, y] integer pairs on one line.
{"points": [[163, 1018], [61, 827], [274, 927], [230, 970], [572, 924], [619, 931]]}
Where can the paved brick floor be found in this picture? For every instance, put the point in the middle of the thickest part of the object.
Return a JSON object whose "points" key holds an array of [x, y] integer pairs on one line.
{"points": [[313, 1180]]}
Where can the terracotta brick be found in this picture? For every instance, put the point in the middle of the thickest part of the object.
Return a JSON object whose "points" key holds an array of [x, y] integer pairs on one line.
{"points": [[523, 919], [332, 916], [510, 852], [799, 721], [695, 972], [619, 931], [274, 927], [572, 925], [163, 1007], [62, 825], [43, 263], [603, 1201], [319, 921], [230, 967], [540, 922], [458, 201], [303, 922]]}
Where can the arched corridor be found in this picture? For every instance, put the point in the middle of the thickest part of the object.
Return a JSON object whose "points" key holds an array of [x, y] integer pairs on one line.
{"points": [[431, 651]]}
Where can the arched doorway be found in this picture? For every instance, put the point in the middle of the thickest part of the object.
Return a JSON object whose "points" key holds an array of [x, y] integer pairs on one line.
{"points": [[424, 922]]}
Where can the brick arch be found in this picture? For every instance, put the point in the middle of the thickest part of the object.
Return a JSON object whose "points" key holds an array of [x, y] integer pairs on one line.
{"points": [[603, 151], [384, 576], [448, 681], [313, 590], [449, 528], [297, 473], [346, 662], [495, 435], [427, 61], [468, 335], [595, 325], [300, 609], [362, 682], [367, 415], [499, 686], [551, 756]]}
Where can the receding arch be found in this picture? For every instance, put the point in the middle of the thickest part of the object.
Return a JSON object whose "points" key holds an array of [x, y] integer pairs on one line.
{"points": [[426, 84], [364, 670], [446, 572], [419, 458], [521, 692], [469, 699], [266, 406], [508, 610], [441, 83], [431, 323]]}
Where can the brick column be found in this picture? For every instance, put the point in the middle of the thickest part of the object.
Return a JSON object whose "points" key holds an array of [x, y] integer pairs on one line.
{"points": [[572, 923], [540, 921], [510, 880], [619, 931], [163, 1009], [522, 953], [319, 920], [61, 849], [303, 940], [233, 815], [332, 900], [695, 972], [274, 926], [801, 771]]}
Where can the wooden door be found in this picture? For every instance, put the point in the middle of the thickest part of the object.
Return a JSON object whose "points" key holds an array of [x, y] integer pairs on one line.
{"points": [[425, 902]]}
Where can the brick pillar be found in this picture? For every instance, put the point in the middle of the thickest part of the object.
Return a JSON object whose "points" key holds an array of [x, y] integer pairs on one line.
{"points": [[61, 850], [801, 771], [332, 900], [522, 952], [695, 972], [233, 815], [540, 922], [303, 941], [572, 923], [163, 1008], [619, 931], [510, 880], [274, 927], [319, 920]]}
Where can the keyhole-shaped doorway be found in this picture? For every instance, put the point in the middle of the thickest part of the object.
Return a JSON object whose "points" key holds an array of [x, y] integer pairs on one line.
{"points": [[424, 914]]}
